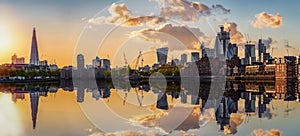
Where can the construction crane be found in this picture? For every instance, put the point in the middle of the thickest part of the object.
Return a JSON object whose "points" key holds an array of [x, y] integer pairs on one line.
{"points": [[246, 38], [138, 59], [125, 60], [138, 97]]}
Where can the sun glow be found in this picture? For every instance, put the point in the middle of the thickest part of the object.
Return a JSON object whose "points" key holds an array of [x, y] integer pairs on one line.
{"points": [[5, 38], [9, 117]]}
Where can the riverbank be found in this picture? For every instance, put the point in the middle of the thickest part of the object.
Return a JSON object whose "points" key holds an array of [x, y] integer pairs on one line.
{"points": [[30, 81]]}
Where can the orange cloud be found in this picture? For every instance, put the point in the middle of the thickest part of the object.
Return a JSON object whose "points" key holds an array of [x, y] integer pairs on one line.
{"points": [[189, 11], [261, 132], [264, 19], [235, 35], [120, 14], [128, 133]]}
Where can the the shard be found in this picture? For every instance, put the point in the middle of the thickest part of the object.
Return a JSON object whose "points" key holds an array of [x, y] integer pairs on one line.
{"points": [[34, 56]]}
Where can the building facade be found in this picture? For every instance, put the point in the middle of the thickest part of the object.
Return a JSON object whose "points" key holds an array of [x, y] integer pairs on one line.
{"points": [[162, 55]]}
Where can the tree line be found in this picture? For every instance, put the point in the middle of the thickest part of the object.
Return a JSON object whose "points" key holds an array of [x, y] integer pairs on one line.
{"points": [[6, 73]]}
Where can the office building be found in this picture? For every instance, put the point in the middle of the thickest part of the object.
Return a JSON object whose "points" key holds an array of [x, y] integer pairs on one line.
{"points": [[250, 53], [96, 62], [232, 50], [261, 50], [105, 64], [162, 55], [195, 56], [80, 61], [183, 59], [224, 41]]}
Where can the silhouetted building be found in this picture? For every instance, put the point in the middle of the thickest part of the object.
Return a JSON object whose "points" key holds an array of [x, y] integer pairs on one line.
{"points": [[44, 63], [162, 55], [183, 59], [250, 53], [80, 62], [266, 57], [232, 50], [34, 103], [34, 55], [96, 62], [195, 56], [162, 102], [105, 64], [261, 50], [224, 38]]}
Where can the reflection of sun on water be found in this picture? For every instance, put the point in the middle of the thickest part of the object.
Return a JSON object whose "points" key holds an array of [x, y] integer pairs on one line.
{"points": [[10, 123]]}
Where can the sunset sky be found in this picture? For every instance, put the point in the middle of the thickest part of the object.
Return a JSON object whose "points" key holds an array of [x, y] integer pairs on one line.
{"points": [[68, 27]]}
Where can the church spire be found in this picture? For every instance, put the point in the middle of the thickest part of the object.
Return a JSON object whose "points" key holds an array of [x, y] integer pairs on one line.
{"points": [[34, 56]]}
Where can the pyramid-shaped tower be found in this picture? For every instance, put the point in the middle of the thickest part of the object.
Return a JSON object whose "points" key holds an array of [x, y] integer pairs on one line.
{"points": [[34, 55]]}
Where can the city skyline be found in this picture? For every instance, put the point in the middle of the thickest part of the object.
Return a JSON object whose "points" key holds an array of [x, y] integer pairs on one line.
{"points": [[61, 36]]}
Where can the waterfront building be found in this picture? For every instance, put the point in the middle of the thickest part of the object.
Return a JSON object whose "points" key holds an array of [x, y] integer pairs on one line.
{"points": [[43, 63], [66, 72], [270, 68], [53, 67], [287, 68], [16, 60]]}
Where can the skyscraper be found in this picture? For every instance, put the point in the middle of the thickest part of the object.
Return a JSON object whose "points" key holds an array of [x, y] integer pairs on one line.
{"points": [[250, 53], [80, 61], [232, 50], [223, 43], [195, 56], [261, 50], [183, 59], [162, 55], [34, 55]]}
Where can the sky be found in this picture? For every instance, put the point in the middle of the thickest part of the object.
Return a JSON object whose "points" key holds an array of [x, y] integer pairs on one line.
{"points": [[68, 27]]}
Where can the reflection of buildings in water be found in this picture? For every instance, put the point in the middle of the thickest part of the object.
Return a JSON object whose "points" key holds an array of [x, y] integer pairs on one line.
{"points": [[35, 91], [17, 96], [98, 89], [226, 107], [206, 97], [34, 104], [162, 102], [183, 96], [80, 94]]}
